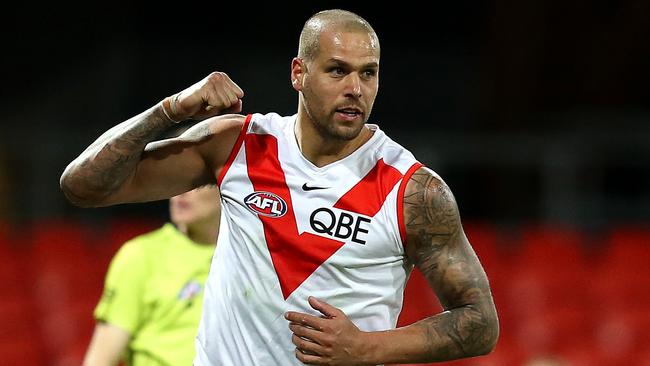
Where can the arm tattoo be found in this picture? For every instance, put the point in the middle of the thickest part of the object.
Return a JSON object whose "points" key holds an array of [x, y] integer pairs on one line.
{"points": [[437, 245], [109, 161]]}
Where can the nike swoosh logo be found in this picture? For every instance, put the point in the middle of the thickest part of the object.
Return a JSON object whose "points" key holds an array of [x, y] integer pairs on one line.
{"points": [[305, 187]]}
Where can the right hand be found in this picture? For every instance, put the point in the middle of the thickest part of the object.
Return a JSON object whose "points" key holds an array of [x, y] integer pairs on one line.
{"points": [[215, 94]]}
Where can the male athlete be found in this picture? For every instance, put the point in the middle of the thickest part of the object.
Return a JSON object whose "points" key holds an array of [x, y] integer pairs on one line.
{"points": [[323, 215]]}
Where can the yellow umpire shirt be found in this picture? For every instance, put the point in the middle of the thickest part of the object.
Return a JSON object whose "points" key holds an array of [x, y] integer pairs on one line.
{"points": [[154, 291]]}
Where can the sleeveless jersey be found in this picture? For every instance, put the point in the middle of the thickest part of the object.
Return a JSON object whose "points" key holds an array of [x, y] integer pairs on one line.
{"points": [[290, 230]]}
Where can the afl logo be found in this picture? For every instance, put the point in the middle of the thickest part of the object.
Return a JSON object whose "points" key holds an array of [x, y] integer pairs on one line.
{"points": [[266, 204]]}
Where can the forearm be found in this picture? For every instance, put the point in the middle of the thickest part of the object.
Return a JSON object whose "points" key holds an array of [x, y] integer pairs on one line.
{"points": [[461, 332], [106, 345], [109, 161]]}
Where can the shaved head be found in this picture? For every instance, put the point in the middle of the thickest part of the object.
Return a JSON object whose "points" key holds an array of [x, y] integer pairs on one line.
{"points": [[343, 20]]}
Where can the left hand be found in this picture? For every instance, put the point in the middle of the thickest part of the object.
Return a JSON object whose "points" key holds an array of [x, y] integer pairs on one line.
{"points": [[331, 339]]}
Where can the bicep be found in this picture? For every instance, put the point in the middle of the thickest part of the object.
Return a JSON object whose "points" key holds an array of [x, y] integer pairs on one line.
{"points": [[437, 245], [107, 345], [173, 166]]}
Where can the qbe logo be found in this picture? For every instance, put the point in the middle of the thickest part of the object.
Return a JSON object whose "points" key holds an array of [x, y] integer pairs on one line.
{"points": [[266, 204], [340, 224]]}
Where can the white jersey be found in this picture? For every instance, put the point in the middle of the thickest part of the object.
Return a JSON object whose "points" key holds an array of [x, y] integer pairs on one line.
{"points": [[290, 230]]}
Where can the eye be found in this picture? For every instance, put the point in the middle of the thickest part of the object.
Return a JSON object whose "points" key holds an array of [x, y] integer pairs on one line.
{"points": [[337, 71], [370, 73]]}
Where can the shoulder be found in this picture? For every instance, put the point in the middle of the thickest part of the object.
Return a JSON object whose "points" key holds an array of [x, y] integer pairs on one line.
{"points": [[237, 123], [426, 181], [429, 203]]}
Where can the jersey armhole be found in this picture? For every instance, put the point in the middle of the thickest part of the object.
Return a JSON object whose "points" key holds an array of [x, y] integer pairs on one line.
{"points": [[400, 200], [235, 149]]}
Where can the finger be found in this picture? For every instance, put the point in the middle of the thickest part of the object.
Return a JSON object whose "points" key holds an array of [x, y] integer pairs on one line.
{"points": [[325, 308], [215, 100], [231, 97], [235, 108], [228, 90], [226, 96], [304, 319], [222, 91], [239, 93], [309, 359], [307, 347], [313, 335], [219, 97]]}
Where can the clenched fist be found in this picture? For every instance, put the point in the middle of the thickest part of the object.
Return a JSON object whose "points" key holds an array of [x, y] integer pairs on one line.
{"points": [[215, 94]]}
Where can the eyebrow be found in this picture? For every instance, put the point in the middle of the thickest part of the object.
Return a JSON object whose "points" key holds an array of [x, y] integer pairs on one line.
{"points": [[343, 63]]}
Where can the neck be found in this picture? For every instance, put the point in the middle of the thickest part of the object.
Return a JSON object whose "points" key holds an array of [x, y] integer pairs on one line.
{"points": [[322, 150], [203, 233]]}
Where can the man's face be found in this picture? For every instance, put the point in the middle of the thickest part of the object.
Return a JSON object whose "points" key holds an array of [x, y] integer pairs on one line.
{"points": [[200, 205], [340, 84]]}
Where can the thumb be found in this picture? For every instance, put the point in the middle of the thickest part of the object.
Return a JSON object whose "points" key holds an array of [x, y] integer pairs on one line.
{"points": [[325, 308]]}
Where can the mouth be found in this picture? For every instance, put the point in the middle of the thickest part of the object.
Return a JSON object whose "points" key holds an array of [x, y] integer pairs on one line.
{"points": [[350, 112]]}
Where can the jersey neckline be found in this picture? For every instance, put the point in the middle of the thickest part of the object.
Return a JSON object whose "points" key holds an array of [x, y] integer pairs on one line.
{"points": [[375, 139]]}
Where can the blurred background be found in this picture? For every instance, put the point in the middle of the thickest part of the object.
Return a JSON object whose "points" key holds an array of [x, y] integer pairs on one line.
{"points": [[536, 113]]}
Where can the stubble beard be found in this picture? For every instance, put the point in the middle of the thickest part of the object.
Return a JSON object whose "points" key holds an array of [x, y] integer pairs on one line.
{"points": [[329, 130]]}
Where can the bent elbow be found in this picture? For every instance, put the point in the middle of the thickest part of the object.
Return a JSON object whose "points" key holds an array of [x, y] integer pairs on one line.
{"points": [[490, 334], [75, 191], [70, 193]]}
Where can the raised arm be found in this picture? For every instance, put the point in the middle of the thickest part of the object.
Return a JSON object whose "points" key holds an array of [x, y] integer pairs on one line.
{"points": [[124, 165]]}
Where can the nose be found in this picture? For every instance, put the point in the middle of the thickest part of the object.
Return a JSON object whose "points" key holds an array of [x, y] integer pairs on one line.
{"points": [[353, 87]]}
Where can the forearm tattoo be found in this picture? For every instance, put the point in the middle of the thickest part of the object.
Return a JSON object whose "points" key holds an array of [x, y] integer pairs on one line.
{"points": [[103, 167], [438, 247]]}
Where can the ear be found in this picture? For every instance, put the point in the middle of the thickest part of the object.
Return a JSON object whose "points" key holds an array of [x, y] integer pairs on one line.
{"points": [[298, 69]]}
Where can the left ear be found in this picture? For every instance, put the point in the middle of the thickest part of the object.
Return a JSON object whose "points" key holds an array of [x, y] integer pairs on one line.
{"points": [[297, 73]]}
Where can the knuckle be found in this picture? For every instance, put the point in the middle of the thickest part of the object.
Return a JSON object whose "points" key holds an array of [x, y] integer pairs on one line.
{"points": [[216, 76], [329, 340]]}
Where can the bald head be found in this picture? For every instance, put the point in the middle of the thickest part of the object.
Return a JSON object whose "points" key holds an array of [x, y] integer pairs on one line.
{"points": [[335, 19]]}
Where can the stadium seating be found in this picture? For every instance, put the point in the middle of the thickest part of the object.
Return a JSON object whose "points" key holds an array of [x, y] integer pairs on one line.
{"points": [[582, 295]]}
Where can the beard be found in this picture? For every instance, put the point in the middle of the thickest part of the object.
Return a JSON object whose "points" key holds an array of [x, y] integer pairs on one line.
{"points": [[324, 122], [330, 130]]}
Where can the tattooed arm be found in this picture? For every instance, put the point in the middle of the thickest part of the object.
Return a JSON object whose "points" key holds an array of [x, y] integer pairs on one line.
{"points": [[124, 165], [437, 245]]}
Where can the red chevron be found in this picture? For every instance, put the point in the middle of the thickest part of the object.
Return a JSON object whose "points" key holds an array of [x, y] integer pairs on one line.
{"points": [[296, 256]]}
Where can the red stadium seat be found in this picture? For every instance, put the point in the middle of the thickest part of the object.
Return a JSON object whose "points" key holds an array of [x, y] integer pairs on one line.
{"points": [[16, 318], [552, 248], [118, 231], [12, 273], [627, 248], [64, 328], [59, 245], [61, 263], [21, 352], [622, 281], [484, 239], [122, 229]]}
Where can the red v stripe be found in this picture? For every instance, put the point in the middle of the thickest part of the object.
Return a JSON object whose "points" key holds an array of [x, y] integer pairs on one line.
{"points": [[367, 196], [295, 256]]}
